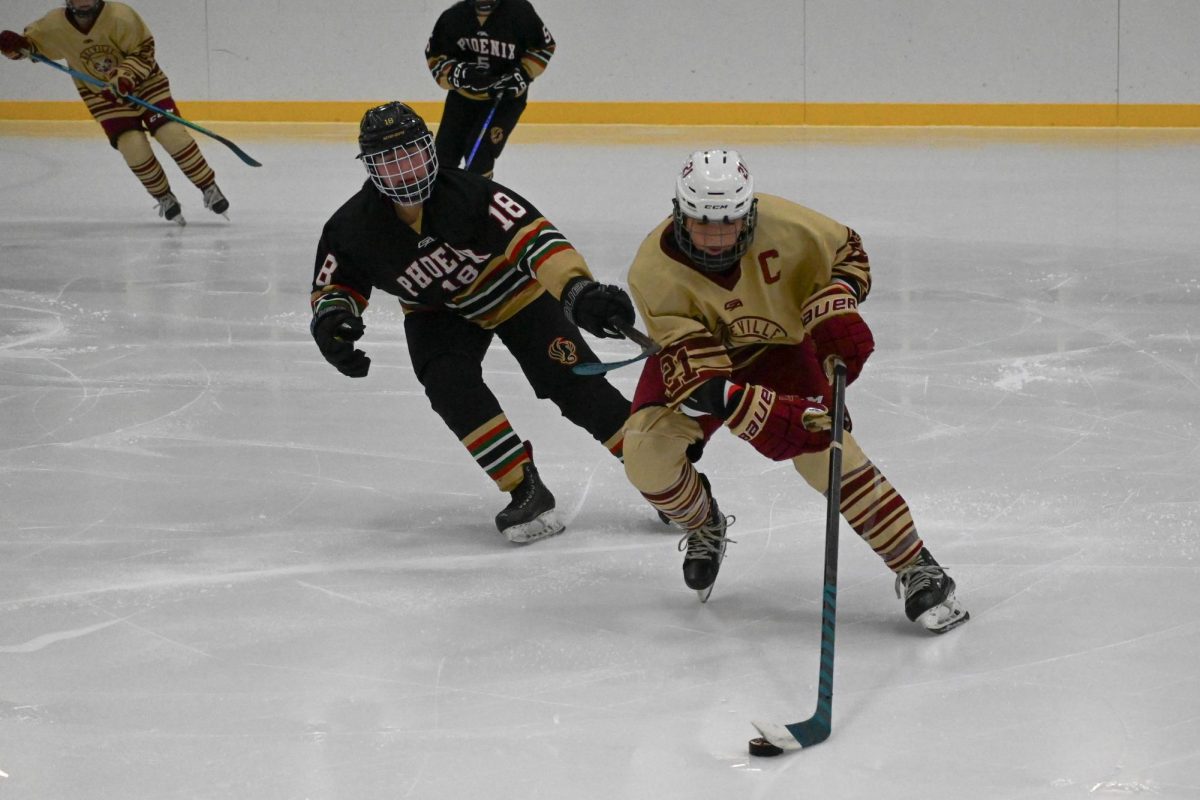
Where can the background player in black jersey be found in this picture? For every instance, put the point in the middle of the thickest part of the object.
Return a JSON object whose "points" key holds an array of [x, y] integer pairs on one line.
{"points": [[469, 260], [484, 52]]}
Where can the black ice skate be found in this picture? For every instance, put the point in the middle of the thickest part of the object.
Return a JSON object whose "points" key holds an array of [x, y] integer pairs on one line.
{"points": [[215, 201], [169, 209], [530, 516], [928, 595], [704, 549]]}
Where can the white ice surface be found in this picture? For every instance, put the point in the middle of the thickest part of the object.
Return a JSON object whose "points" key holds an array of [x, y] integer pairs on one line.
{"points": [[228, 572]]}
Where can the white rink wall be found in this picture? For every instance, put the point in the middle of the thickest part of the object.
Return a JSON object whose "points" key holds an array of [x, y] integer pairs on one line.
{"points": [[780, 51]]}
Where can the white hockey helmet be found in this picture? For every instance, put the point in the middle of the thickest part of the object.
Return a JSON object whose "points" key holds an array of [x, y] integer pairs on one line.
{"points": [[715, 186]]}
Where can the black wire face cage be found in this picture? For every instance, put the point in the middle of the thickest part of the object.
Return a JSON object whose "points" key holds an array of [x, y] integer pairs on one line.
{"points": [[719, 262], [91, 13], [405, 173]]}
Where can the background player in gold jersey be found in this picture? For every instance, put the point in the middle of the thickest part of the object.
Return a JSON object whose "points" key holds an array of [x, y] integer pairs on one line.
{"points": [[752, 297], [110, 41]]}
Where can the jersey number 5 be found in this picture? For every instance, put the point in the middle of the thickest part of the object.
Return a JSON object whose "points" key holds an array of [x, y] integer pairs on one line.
{"points": [[506, 210]]}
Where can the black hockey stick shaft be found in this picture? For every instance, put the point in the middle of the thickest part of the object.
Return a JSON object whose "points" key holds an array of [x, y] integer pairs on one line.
{"points": [[817, 728], [483, 130], [648, 345], [83, 76]]}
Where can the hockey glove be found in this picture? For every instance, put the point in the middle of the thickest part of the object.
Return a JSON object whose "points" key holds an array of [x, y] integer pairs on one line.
{"points": [[470, 78], [14, 45], [335, 330], [118, 87], [513, 83], [780, 426], [831, 317], [600, 309]]}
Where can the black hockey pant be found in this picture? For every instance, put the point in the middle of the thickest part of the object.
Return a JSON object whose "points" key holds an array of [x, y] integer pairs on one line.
{"points": [[447, 354], [462, 120]]}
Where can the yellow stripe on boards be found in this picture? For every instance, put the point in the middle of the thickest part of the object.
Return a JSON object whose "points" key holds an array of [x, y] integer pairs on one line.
{"points": [[1098, 115]]}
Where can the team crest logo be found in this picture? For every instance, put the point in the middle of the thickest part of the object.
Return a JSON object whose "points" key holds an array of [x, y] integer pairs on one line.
{"points": [[496, 135], [100, 60], [562, 350]]}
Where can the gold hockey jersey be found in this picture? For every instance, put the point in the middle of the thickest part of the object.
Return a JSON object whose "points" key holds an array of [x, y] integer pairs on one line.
{"points": [[709, 324], [118, 40]]}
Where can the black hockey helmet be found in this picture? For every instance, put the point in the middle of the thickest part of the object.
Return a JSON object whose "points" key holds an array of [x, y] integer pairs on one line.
{"points": [[396, 147], [388, 126]]}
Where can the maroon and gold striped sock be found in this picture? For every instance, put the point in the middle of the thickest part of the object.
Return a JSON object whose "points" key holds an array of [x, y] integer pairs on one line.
{"points": [[878, 514]]}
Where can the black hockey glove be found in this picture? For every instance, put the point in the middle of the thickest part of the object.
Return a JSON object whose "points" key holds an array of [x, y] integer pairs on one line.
{"points": [[600, 309], [470, 78], [334, 331], [513, 83]]}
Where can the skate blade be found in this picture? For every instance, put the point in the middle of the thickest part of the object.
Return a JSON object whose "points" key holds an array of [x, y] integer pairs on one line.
{"points": [[706, 593], [944, 617], [542, 526], [180, 221]]}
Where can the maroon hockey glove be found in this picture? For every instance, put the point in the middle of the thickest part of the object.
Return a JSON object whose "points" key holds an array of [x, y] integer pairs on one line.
{"points": [[780, 427], [118, 87], [514, 83], [334, 331], [831, 317], [470, 78], [600, 309], [14, 45]]}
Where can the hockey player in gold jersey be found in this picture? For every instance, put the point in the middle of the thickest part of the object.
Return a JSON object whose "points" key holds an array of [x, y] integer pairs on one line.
{"points": [[109, 41], [752, 297]]}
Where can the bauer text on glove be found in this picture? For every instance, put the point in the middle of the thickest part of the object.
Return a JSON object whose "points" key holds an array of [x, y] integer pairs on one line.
{"points": [[831, 317], [600, 309], [780, 427]]}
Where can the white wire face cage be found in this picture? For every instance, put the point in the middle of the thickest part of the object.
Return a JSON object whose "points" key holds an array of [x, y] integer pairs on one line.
{"points": [[405, 173]]}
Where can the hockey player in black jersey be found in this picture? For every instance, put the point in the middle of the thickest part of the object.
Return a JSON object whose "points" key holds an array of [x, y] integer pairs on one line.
{"points": [[468, 259], [485, 53]]}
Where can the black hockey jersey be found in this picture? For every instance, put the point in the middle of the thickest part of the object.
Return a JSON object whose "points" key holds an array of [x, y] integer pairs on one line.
{"points": [[477, 248], [511, 36]]}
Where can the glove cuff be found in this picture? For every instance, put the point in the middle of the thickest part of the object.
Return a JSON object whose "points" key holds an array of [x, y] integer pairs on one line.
{"points": [[750, 412], [834, 300]]}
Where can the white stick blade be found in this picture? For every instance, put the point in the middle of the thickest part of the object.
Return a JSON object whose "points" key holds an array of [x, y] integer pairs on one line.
{"points": [[777, 735]]}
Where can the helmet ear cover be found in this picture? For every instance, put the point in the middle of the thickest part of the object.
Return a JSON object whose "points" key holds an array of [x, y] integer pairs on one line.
{"points": [[396, 147], [715, 186]]}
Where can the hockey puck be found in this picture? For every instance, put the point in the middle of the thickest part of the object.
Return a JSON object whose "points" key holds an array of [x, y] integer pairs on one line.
{"points": [[761, 747]]}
